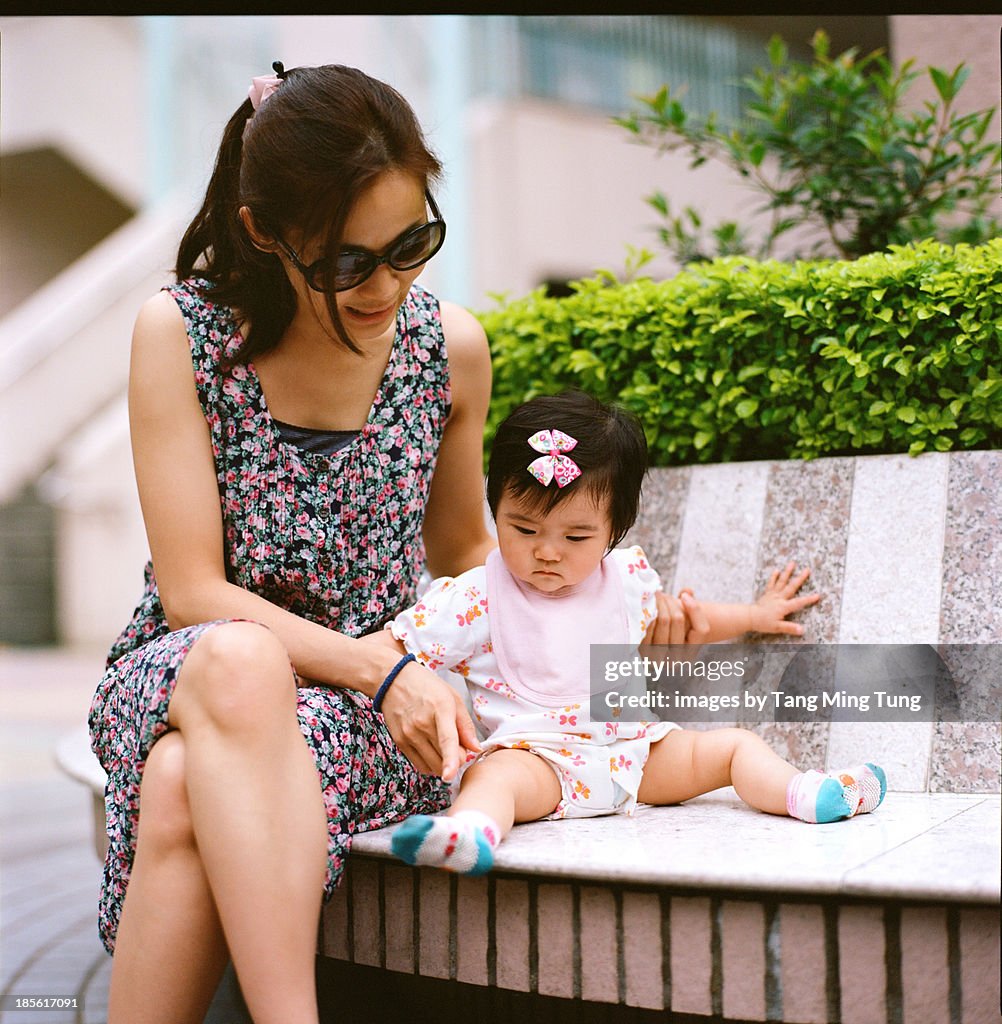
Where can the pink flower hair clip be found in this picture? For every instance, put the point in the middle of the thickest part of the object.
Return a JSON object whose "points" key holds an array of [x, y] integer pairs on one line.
{"points": [[553, 464], [263, 86]]}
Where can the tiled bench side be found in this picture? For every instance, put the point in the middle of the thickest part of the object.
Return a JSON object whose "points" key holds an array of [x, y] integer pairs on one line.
{"points": [[793, 958]]}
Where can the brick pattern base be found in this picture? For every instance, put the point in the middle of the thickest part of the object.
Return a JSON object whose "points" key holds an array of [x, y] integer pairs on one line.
{"points": [[731, 955]]}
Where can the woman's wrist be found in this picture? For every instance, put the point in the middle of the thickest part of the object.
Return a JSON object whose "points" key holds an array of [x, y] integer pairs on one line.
{"points": [[384, 688], [374, 662], [372, 668]]}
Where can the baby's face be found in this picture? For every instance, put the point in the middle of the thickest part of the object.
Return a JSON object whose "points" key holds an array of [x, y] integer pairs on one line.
{"points": [[557, 550]]}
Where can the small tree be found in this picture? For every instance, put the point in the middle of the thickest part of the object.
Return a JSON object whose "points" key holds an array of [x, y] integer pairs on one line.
{"points": [[830, 148]]}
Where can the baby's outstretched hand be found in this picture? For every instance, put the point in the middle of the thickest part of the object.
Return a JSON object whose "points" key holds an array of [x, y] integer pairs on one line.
{"points": [[781, 599]]}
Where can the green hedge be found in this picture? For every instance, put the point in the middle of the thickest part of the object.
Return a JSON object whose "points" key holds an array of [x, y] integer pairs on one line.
{"points": [[737, 359]]}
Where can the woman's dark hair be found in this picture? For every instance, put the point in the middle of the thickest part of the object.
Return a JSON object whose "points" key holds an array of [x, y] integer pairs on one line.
{"points": [[299, 162], [611, 453]]}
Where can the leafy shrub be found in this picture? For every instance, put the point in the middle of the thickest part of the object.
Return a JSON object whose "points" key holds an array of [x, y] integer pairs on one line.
{"points": [[830, 145], [738, 359]]}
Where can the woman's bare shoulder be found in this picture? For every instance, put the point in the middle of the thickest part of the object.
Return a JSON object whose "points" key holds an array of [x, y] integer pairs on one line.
{"points": [[160, 340], [465, 339], [160, 311]]}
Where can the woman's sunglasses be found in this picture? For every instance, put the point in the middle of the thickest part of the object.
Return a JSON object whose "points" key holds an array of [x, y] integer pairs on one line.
{"points": [[353, 266]]}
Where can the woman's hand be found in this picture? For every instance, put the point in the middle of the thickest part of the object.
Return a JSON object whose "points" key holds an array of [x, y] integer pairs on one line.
{"points": [[681, 620], [780, 599], [429, 722]]}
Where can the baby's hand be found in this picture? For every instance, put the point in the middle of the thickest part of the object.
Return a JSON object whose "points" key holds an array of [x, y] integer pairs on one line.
{"points": [[780, 600]]}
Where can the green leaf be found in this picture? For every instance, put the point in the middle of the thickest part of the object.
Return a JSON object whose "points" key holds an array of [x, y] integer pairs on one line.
{"points": [[582, 360], [747, 372], [745, 408], [906, 414], [944, 84]]}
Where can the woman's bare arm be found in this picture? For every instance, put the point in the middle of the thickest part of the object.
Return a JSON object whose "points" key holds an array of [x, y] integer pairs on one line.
{"points": [[176, 476], [455, 534]]}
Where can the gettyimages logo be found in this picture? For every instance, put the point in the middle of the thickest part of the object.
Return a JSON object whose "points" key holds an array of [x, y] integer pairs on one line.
{"points": [[777, 682]]}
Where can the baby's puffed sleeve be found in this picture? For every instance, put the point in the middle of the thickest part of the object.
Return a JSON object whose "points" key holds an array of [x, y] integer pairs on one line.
{"points": [[640, 585], [449, 622]]}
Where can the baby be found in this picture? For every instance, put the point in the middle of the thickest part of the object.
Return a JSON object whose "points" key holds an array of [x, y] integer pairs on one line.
{"points": [[563, 486]]}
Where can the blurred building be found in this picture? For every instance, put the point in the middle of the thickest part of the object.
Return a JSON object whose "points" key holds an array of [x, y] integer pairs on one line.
{"points": [[109, 130]]}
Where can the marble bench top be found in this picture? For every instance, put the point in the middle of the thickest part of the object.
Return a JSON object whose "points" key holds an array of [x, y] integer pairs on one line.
{"points": [[916, 846]]}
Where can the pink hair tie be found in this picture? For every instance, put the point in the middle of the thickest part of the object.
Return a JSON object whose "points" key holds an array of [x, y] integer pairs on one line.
{"points": [[553, 463], [263, 86]]}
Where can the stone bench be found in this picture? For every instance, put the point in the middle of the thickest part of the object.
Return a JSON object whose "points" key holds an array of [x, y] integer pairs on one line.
{"points": [[710, 910]]}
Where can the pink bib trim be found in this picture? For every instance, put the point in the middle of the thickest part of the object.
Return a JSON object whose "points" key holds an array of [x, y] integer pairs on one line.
{"points": [[542, 641]]}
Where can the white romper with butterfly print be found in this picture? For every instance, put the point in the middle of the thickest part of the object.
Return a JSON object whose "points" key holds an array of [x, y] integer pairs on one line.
{"points": [[541, 703]]}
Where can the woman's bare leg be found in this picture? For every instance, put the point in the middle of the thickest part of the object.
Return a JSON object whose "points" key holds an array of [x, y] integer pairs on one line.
{"points": [[170, 952], [687, 763], [258, 813]]}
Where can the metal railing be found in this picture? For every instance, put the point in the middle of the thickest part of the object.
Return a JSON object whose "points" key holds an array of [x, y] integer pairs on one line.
{"points": [[602, 62]]}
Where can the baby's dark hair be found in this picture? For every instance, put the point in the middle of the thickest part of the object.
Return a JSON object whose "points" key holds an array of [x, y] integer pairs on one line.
{"points": [[611, 453]]}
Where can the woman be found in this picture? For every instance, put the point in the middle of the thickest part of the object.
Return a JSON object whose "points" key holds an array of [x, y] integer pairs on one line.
{"points": [[307, 430]]}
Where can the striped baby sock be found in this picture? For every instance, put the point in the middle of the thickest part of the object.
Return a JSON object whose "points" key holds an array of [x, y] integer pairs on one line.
{"points": [[462, 842], [822, 797]]}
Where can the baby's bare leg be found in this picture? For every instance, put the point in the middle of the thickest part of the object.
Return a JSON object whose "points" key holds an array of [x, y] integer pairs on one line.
{"points": [[687, 763], [511, 786], [508, 786]]}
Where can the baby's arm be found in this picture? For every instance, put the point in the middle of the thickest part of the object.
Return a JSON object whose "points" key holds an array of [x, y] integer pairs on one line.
{"points": [[767, 615]]}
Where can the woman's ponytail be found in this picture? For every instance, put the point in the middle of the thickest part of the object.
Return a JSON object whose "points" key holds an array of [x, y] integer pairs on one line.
{"points": [[216, 247], [215, 232]]}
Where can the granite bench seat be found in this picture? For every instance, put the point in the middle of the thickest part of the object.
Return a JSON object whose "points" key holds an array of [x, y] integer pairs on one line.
{"points": [[711, 910]]}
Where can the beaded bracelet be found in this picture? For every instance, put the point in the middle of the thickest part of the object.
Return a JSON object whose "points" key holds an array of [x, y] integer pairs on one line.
{"points": [[377, 701]]}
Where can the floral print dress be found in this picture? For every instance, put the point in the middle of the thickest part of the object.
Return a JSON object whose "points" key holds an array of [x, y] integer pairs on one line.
{"points": [[333, 538]]}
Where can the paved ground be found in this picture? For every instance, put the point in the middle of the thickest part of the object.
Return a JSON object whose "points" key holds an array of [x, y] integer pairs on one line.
{"points": [[49, 870]]}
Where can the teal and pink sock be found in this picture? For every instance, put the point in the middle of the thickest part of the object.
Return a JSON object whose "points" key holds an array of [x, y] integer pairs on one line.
{"points": [[830, 796], [462, 842]]}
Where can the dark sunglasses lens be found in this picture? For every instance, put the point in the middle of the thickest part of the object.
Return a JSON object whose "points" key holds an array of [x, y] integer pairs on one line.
{"points": [[316, 277], [418, 247], [352, 269], [411, 251]]}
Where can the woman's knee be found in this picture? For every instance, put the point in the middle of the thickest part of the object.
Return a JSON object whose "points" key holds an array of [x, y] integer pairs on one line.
{"points": [[164, 813], [237, 675]]}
